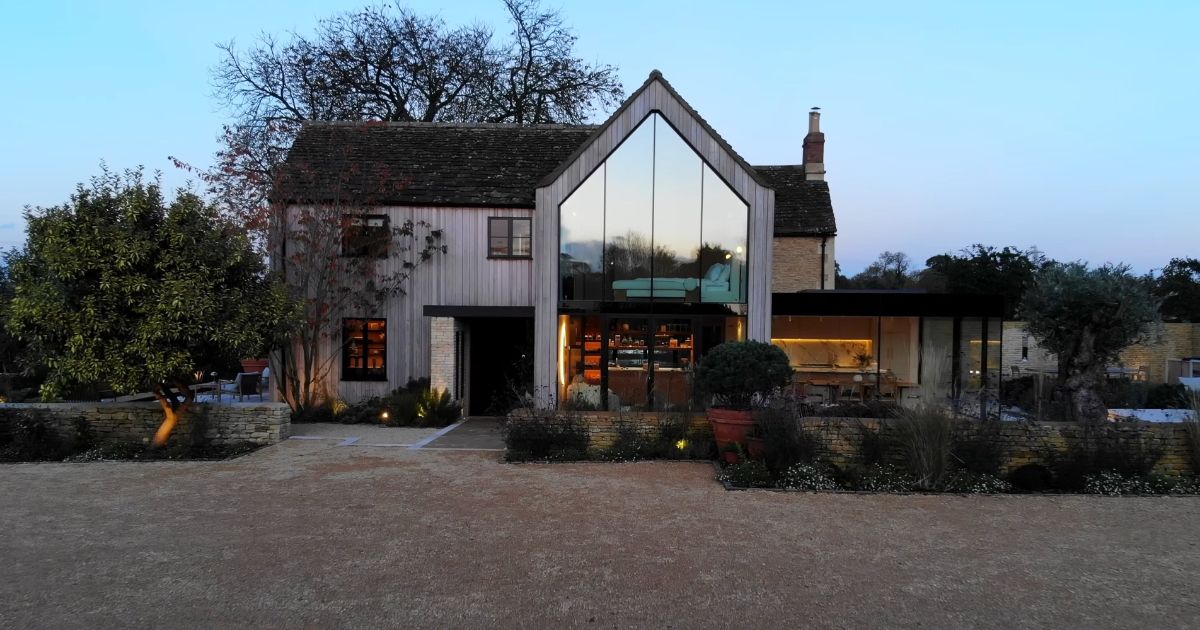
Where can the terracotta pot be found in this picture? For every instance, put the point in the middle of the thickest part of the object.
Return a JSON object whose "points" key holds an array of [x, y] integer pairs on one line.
{"points": [[254, 365], [754, 447], [730, 457], [730, 425]]}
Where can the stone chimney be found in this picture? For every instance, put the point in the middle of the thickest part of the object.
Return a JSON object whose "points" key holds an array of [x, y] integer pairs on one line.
{"points": [[814, 147]]}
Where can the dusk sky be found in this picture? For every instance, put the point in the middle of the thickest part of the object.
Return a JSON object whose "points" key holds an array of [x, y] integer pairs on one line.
{"points": [[1072, 126]]}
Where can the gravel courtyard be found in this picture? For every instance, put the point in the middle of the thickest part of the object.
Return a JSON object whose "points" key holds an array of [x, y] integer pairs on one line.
{"points": [[310, 534]]}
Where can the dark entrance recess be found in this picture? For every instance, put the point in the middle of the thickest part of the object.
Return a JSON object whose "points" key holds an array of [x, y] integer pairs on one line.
{"points": [[500, 352]]}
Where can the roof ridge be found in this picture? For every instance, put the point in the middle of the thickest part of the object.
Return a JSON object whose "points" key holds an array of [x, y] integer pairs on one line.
{"points": [[655, 75]]}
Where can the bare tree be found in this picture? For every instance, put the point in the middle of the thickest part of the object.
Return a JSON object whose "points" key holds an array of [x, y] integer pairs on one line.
{"points": [[391, 64]]}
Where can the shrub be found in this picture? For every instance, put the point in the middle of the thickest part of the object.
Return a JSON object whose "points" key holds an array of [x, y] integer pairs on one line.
{"points": [[785, 442], [924, 435], [976, 447], [1191, 428], [1031, 478], [315, 413], [746, 474], [27, 436], [1173, 484], [806, 477], [873, 445], [1113, 483], [740, 373], [868, 409], [435, 408], [632, 442], [877, 478], [542, 435], [966, 482], [1104, 449], [1167, 396]]}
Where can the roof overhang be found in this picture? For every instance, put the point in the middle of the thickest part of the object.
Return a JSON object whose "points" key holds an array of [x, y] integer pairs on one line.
{"points": [[886, 304]]}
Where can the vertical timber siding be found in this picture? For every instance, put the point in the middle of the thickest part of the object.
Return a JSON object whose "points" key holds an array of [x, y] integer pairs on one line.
{"points": [[463, 276], [655, 97]]}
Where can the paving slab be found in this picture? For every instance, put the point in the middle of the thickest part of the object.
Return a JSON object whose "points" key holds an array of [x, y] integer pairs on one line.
{"points": [[474, 433], [362, 434]]}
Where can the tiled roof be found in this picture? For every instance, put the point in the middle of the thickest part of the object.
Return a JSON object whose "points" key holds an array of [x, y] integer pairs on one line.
{"points": [[484, 165], [802, 207], [438, 164]]}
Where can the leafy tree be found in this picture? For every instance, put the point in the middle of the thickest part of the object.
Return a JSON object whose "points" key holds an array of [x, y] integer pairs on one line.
{"points": [[1087, 317], [121, 289], [12, 349], [1179, 289], [391, 64], [981, 269]]}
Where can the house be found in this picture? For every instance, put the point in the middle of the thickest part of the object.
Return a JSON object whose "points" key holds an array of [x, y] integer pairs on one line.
{"points": [[602, 262]]}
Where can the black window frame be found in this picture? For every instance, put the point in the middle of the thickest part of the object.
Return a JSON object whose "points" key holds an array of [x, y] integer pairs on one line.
{"points": [[364, 248], [363, 373], [509, 238]]}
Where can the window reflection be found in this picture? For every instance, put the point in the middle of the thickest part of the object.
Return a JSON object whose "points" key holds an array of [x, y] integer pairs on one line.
{"points": [[654, 223], [629, 214], [723, 251], [677, 214], [581, 238]]}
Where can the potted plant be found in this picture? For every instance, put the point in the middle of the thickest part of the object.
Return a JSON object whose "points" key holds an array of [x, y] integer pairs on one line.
{"points": [[737, 376], [254, 365]]}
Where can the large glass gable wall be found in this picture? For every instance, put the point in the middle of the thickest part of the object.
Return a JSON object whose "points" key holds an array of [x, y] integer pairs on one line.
{"points": [[653, 223], [652, 268]]}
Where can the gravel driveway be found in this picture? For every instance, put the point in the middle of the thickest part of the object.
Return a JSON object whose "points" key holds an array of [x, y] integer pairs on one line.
{"points": [[307, 534]]}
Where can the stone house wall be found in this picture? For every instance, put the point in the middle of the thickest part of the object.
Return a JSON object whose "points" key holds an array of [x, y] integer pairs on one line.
{"points": [[796, 263], [261, 424], [1167, 341]]}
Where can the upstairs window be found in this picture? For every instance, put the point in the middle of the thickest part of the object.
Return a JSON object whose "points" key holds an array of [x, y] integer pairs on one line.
{"points": [[510, 237], [365, 235], [364, 349]]}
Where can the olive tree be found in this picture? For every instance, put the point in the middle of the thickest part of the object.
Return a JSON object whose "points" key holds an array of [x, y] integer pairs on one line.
{"points": [[120, 289], [1087, 317]]}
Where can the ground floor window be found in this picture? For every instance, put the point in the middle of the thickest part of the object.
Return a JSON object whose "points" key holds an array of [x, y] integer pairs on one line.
{"points": [[858, 358], [626, 362], [364, 349]]}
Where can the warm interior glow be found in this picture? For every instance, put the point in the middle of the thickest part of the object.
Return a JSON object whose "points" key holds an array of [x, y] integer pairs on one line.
{"points": [[562, 350], [788, 340]]}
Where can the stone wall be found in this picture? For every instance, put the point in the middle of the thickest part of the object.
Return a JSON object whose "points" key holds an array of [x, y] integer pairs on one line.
{"points": [[796, 263], [442, 354], [603, 425], [840, 440], [237, 423], [1167, 341]]}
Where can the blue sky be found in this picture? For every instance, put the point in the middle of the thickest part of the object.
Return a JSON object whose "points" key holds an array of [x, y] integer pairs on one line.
{"points": [[1072, 126]]}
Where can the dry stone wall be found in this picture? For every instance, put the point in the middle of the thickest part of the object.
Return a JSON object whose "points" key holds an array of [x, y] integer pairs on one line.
{"points": [[261, 424]]}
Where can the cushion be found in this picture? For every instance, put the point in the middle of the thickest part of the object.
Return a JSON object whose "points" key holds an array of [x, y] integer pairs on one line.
{"points": [[715, 271], [725, 270]]}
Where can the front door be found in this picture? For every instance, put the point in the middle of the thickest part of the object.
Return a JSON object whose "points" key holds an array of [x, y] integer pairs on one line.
{"points": [[500, 363]]}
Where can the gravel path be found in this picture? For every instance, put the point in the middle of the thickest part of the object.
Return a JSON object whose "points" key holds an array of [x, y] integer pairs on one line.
{"points": [[307, 534]]}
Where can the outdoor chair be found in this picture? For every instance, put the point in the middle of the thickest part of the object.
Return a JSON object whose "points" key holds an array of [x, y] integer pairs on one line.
{"points": [[246, 384]]}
